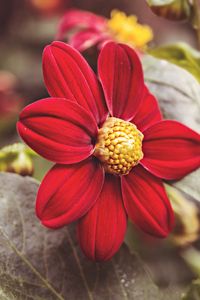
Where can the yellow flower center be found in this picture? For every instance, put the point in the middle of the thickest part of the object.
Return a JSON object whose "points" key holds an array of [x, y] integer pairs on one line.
{"points": [[119, 146], [127, 30]]}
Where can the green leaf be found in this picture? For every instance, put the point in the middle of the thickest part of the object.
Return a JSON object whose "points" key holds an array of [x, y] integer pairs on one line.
{"points": [[178, 94], [37, 263], [182, 55]]}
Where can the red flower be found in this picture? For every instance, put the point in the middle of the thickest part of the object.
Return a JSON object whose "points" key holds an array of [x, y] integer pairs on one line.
{"points": [[89, 29], [88, 128], [10, 102], [84, 29]]}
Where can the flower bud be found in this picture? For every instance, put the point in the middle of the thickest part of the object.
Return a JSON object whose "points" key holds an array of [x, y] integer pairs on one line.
{"points": [[176, 10], [10, 101], [17, 158]]}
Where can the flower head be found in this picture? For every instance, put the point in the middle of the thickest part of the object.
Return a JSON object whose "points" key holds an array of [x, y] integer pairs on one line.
{"points": [[85, 29], [110, 145]]}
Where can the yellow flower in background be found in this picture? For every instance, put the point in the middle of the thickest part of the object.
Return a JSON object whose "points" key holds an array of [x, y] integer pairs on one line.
{"points": [[83, 29], [126, 29]]}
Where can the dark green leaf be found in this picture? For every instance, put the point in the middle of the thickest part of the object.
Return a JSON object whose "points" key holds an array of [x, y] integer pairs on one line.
{"points": [[40, 264]]}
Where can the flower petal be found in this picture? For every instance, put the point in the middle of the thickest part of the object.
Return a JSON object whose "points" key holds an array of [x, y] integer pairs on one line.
{"points": [[171, 150], [146, 202], [68, 192], [101, 231], [58, 129], [75, 18], [67, 75], [149, 112], [86, 38], [121, 76]]}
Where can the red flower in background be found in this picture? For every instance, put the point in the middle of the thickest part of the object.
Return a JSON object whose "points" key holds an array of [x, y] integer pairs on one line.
{"points": [[10, 101], [106, 167], [89, 29], [84, 29]]}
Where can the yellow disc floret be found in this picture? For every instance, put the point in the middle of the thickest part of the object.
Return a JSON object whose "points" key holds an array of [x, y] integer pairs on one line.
{"points": [[119, 146], [127, 30]]}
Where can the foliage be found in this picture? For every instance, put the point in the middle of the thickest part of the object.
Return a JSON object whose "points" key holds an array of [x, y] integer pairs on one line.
{"points": [[182, 55], [37, 263]]}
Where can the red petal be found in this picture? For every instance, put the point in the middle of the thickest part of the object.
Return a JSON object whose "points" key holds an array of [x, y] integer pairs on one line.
{"points": [[75, 18], [171, 150], [68, 192], [101, 231], [146, 202], [121, 76], [67, 75], [58, 129], [149, 112], [86, 38]]}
